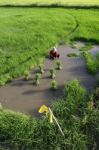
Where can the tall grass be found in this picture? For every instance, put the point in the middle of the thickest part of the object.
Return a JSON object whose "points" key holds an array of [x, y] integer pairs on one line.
{"points": [[76, 114]]}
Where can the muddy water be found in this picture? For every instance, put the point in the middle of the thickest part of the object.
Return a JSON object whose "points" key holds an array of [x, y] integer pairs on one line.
{"points": [[25, 97]]}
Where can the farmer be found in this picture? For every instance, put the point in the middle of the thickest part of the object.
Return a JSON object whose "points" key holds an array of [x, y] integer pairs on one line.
{"points": [[53, 53]]}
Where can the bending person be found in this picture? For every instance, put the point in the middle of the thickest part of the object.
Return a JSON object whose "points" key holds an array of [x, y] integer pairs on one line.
{"points": [[53, 53]]}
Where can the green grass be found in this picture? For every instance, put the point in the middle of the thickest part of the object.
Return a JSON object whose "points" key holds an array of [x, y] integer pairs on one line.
{"points": [[92, 62], [50, 2], [76, 115], [26, 35]]}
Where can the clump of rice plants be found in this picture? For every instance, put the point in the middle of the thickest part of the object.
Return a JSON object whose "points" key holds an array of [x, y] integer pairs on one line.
{"points": [[91, 62], [72, 55], [59, 64], [52, 73], [26, 75], [37, 78], [87, 47], [41, 67], [54, 85], [75, 45], [74, 88]]}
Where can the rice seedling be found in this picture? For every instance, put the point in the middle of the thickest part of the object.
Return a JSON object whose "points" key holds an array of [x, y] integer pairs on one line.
{"points": [[52, 73], [41, 67], [54, 85], [26, 75], [37, 78], [59, 64]]}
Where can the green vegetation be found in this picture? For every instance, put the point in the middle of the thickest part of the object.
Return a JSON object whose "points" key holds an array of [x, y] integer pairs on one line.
{"points": [[96, 97], [37, 78], [59, 64], [52, 73], [54, 85], [26, 34], [26, 75], [82, 46], [73, 55], [75, 45], [76, 114], [41, 67], [4, 79], [86, 47], [49, 2], [92, 62]]}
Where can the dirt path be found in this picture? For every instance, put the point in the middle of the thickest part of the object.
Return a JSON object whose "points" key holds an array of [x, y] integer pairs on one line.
{"points": [[25, 97]]}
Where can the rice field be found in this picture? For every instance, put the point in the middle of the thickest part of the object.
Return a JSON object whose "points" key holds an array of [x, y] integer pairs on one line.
{"points": [[26, 35]]}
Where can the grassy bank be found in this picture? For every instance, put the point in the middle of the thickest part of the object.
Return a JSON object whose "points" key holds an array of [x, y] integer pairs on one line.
{"points": [[27, 34], [76, 113]]}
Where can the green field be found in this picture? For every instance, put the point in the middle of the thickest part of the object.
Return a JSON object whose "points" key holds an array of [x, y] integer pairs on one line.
{"points": [[49, 2], [26, 35]]}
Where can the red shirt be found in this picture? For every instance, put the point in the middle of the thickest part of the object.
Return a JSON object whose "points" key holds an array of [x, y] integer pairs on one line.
{"points": [[53, 53]]}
